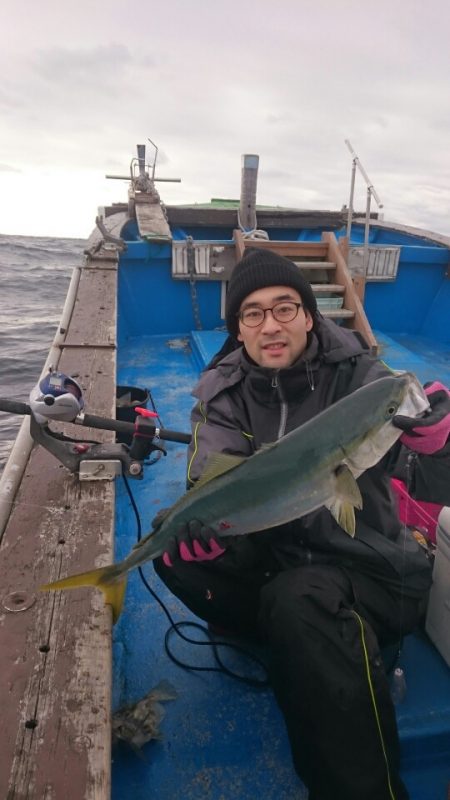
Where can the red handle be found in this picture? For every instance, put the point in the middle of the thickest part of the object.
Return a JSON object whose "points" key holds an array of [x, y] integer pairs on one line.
{"points": [[144, 413]]}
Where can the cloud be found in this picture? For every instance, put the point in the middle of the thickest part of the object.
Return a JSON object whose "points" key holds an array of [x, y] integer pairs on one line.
{"points": [[8, 168], [72, 99], [290, 83], [84, 68], [9, 99]]}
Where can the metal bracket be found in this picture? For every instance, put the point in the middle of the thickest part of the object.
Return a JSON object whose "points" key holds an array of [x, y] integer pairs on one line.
{"points": [[109, 459], [119, 244], [99, 470]]}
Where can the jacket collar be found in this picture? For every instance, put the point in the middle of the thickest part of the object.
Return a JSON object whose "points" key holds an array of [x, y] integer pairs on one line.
{"points": [[329, 343]]}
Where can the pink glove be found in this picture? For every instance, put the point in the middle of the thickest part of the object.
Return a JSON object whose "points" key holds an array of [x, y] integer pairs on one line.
{"points": [[428, 434], [193, 542]]}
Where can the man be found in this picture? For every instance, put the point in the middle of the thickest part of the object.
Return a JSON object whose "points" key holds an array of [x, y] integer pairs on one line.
{"points": [[322, 602]]}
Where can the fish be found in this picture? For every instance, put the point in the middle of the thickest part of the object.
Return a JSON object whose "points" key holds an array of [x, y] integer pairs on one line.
{"points": [[314, 465]]}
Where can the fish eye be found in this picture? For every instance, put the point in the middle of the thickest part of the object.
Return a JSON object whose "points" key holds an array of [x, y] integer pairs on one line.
{"points": [[391, 410]]}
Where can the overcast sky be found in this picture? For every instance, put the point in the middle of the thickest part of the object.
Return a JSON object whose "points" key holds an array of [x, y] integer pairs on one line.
{"points": [[83, 82]]}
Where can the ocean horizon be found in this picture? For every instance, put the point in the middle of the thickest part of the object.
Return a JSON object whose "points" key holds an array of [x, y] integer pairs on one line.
{"points": [[34, 272]]}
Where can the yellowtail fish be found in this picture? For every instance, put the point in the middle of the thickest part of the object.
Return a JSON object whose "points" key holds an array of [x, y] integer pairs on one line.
{"points": [[312, 466]]}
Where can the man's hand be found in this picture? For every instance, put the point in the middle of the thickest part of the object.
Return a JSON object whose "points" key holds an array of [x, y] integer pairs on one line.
{"points": [[428, 434], [193, 542]]}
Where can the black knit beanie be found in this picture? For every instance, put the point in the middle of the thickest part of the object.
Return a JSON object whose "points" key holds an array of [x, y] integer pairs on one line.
{"points": [[257, 269]]}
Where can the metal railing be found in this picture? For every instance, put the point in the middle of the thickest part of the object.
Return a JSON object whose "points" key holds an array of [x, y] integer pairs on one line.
{"points": [[138, 165], [370, 193]]}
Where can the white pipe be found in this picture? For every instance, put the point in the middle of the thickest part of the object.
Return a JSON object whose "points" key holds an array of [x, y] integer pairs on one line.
{"points": [[20, 453], [350, 203], [366, 234], [369, 183]]}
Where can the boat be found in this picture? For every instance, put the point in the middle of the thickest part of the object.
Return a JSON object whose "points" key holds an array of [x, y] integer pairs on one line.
{"points": [[143, 316]]}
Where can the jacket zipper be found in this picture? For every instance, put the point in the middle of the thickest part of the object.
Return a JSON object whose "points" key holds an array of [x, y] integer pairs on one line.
{"points": [[283, 407]]}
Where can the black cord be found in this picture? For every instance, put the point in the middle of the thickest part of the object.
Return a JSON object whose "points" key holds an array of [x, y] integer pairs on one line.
{"points": [[175, 628], [150, 461], [154, 408], [396, 657]]}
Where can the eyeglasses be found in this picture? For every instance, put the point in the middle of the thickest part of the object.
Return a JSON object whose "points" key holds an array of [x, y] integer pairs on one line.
{"points": [[282, 312]]}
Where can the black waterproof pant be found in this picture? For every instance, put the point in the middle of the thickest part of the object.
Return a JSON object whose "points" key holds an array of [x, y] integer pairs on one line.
{"points": [[323, 626]]}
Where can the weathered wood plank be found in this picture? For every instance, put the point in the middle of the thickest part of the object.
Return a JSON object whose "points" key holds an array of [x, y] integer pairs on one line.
{"points": [[351, 299], [292, 250], [315, 265], [267, 218], [337, 313], [326, 288], [239, 242], [93, 319], [55, 659], [203, 215], [55, 656], [151, 221]]}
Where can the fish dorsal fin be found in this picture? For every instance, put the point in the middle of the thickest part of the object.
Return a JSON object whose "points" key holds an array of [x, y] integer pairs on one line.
{"points": [[347, 498], [217, 464]]}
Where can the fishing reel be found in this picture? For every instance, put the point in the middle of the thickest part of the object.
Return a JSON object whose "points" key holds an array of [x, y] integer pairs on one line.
{"points": [[58, 397]]}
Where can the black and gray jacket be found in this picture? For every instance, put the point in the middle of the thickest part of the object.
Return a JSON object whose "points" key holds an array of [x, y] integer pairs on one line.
{"points": [[241, 406]]}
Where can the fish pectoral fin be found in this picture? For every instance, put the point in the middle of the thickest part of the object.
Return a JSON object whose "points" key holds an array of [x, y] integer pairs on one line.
{"points": [[344, 514], [347, 498], [103, 578], [217, 464], [347, 487]]}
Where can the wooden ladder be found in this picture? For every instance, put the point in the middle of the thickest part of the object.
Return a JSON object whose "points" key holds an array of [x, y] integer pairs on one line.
{"points": [[323, 264]]}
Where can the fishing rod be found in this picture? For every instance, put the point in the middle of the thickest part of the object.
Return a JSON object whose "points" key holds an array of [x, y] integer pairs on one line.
{"points": [[59, 398]]}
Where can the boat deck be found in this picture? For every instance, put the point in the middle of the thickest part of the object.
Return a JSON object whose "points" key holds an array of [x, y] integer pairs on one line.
{"points": [[220, 738], [429, 360]]}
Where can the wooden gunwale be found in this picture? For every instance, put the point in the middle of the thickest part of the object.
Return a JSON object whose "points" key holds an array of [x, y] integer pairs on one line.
{"points": [[227, 217], [55, 658]]}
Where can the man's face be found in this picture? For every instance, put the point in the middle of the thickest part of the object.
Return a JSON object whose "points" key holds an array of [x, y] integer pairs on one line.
{"points": [[275, 344]]}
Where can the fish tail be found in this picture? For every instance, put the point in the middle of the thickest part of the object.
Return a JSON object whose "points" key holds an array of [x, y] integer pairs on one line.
{"points": [[105, 578]]}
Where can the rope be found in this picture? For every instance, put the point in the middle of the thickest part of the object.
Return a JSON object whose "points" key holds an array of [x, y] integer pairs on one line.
{"points": [[255, 233], [374, 704]]}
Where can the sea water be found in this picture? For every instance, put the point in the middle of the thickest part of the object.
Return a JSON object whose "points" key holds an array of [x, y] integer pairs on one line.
{"points": [[34, 278]]}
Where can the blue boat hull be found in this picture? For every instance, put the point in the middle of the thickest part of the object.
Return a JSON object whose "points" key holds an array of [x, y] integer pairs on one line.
{"points": [[221, 739]]}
